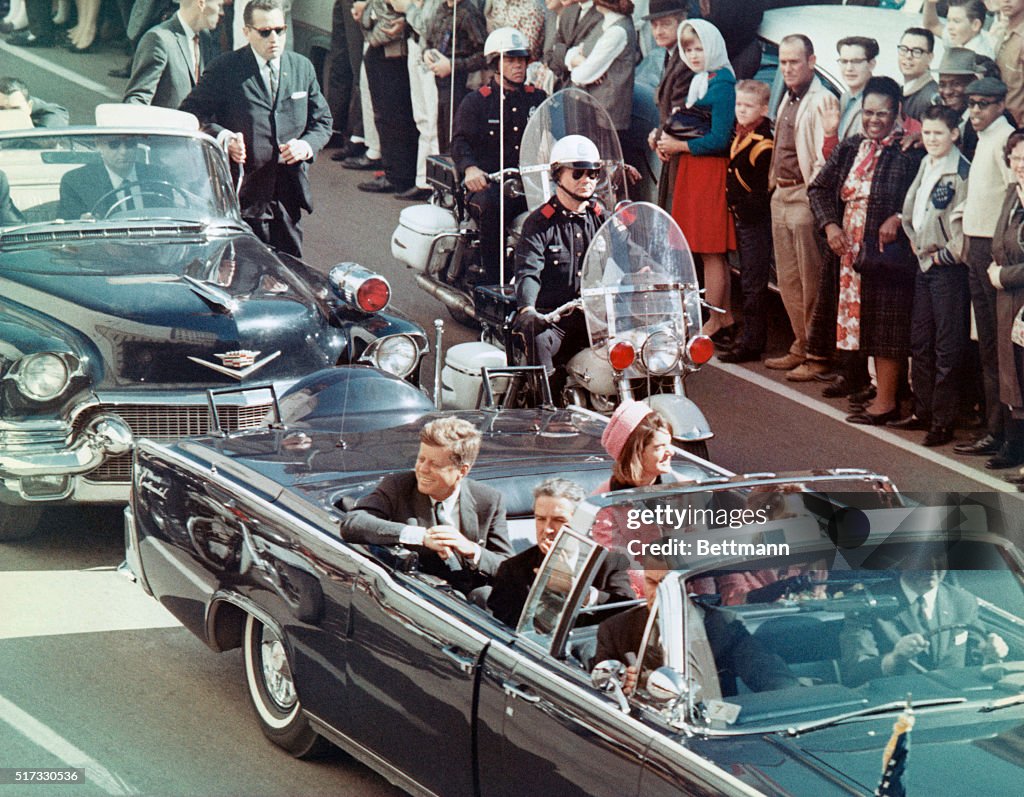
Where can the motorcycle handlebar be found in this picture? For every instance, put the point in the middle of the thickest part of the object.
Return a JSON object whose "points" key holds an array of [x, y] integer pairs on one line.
{"points": [[509, 173], [559, 313]]}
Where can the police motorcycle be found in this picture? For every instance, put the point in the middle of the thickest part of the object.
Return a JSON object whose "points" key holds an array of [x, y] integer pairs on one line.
{"points": [[639, 292], [440, 241]]}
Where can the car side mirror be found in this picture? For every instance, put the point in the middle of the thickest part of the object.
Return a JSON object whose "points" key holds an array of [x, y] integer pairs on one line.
{"points": [[666, 687], [608, 676]]}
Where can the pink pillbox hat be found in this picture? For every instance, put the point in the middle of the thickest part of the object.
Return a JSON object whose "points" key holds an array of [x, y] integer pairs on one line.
{"points": [[625, 419]]}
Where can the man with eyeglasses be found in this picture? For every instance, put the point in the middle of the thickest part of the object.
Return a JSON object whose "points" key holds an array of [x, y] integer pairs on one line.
{"points": [[915, 59], [986, 189], [264, 106], [549, 258], [857, 58], [116, 183]]}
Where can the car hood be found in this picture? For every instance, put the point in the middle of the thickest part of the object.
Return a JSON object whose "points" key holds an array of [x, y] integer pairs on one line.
{"points": [[155, 308], [951, 752]]}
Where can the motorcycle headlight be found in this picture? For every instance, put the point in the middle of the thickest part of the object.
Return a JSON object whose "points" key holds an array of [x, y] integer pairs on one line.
{"points": [[41, 377], [396, 354], [660, 352]]}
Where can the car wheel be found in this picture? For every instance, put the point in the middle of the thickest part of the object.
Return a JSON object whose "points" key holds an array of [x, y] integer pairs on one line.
{"points": [[268, 674], [19, 522]]}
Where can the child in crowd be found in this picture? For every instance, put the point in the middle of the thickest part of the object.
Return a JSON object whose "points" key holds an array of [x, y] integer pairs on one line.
{"points": [[965, 22], [749, 200], [939, 324]]}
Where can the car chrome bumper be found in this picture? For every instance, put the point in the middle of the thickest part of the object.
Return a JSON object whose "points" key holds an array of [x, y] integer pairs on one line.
{"points": [[132, 560], [105, 435]]}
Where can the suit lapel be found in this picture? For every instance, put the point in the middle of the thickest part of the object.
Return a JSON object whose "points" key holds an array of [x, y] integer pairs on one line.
{"points": [[258, 87], [423, 508], [468, 523]]}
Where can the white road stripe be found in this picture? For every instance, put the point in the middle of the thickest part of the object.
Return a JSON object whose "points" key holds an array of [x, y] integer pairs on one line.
{"points": [[991, 482], [47, 603], [38, 61], [55, 744]]}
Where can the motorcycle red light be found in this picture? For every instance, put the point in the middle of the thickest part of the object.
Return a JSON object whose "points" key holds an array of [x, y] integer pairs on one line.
{"points": [[373, 295], [621, 355], [700, 349]]}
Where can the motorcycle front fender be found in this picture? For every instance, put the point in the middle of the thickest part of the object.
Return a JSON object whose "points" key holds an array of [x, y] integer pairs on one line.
{"points": [[685, 417]]}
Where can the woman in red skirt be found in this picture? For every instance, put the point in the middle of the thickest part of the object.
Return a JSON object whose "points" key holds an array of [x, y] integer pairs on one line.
{"points": [[702, 130]]}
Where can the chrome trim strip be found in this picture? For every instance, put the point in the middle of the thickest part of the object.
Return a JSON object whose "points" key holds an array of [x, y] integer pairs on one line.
{"points": [[131, 551]]}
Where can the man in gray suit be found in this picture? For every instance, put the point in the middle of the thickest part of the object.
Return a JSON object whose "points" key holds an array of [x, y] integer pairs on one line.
{"points": [[172, 55], [456, 524]]}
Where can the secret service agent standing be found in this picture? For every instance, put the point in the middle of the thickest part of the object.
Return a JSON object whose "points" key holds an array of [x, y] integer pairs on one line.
{"points": [[549, 258], [475, 147]]}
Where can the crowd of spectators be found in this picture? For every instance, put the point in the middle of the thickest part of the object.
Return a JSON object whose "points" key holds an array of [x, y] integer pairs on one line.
{"points": [[893, 214]]}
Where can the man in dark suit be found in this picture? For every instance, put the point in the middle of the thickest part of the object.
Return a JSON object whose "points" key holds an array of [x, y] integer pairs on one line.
{"points": [[554, 502], [265, 107], [736, 653], [575, 19], [929, 631], [14, 95], [171, 56], [9, 214], [118, 179], [456, 524]]}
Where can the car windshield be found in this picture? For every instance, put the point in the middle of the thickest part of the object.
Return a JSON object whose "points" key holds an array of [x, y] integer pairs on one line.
{"points": [[112, 178]]}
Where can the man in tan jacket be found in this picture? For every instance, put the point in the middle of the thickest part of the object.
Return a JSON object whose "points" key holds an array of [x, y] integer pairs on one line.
{"points": [[799, 135]]}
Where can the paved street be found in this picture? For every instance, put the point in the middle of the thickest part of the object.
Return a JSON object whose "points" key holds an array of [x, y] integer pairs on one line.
{"points": [[95, 674]]}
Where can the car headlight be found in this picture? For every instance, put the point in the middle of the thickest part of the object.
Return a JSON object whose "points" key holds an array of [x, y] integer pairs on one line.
{"points": [[660, 352], [396, 354], [41, 377]]}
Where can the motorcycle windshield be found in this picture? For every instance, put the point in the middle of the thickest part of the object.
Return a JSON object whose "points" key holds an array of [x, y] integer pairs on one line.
{"points": [[639, 279], [570, 112]]}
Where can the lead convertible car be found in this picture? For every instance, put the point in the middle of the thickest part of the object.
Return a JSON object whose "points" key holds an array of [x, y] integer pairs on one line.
{"points": [[750, 680], [120, 306]]}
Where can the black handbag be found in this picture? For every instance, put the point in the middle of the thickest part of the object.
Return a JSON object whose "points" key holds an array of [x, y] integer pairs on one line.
{"points": [[895, 259], [688, 123]]}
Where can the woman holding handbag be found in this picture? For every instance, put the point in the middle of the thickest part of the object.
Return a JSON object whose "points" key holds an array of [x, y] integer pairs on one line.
{"points": [[699, 133], [857, 199], [1007, 276]]}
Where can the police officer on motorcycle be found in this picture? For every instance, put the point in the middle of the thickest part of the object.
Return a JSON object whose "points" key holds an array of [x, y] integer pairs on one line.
{"points": [[549, 258], [477, 132]]}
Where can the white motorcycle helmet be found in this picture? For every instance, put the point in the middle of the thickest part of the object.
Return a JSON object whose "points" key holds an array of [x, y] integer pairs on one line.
{"points": [[508, 42], [574, 152]]}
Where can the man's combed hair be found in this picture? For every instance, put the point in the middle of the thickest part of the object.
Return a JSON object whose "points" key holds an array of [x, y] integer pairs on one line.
{"points": [[866, 43], [944, 114], [759, 88], [974, 9], [924, 33], [559, 488], [799, 38], [10, 85], [458, 436], [260, 5]]}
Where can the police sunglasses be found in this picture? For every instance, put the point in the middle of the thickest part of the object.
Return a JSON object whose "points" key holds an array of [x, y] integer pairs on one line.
{"points": [[265, 32], [579, 174]]}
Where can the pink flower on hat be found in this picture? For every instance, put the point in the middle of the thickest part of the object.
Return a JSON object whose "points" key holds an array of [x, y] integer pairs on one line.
{"points": [[623, 423]]}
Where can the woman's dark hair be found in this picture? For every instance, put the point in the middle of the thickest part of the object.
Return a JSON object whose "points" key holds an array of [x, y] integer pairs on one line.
{"points": [[622, 6], [944, 114], [885, 86], [1015, 138]]}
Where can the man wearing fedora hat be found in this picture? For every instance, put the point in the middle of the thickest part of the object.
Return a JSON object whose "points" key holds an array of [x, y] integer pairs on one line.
{"points": [[956, 72]]}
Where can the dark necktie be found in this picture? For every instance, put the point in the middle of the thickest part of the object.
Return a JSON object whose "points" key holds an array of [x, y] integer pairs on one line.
{"points": [[444, 519], [922, 614], [273, 81], [196, 56], [668, 57]]}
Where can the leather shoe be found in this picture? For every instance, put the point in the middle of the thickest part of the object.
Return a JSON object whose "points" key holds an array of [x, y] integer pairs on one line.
{"points": [[1010, 456], [787, 362], [353, 149], [865, 418], [25, 38], [362, 163], [910, 424], [806, 371], [983, 446], [938, 436], [415, 194], [1015, 478], [378, 185], [863, 396], [725, 337], [740, 354], [841, 387]]}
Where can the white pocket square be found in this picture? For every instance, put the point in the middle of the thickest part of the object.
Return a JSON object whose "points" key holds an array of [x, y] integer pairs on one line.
{"points": [[298, 95]]}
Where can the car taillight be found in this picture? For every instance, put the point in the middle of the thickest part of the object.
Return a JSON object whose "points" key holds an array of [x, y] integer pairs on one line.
{"points": [[621, 355], [700, 349], [373, 295]]}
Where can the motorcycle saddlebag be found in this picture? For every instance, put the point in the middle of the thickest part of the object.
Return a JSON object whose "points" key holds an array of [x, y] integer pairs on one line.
{"points": [[441, 173], [494, 304]]}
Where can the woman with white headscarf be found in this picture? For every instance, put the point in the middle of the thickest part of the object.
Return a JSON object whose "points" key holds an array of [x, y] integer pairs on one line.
{"points": [[699, 133]]}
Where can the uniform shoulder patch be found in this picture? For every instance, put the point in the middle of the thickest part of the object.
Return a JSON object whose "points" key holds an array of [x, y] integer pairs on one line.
{"points": [[598, 210], [547, 210], [485, 91], [530, 89]]}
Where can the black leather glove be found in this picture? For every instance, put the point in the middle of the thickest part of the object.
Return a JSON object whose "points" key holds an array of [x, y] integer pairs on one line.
{"points": [[529, 322]]}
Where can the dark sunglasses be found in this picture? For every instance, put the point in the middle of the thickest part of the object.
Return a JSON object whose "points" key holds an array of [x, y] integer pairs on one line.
{"points": [[579, 174], [982, 104], [265, 32]]}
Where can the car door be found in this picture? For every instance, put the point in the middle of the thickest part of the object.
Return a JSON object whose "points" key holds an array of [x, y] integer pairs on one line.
{"points": [[543, 729], [410, 672]]}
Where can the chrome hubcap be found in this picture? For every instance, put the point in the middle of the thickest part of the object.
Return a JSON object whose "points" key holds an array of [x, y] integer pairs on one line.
{"points": [[277, 675]]}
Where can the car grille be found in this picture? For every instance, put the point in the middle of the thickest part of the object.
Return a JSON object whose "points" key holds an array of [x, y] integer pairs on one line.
{"points": [[165, 424]]}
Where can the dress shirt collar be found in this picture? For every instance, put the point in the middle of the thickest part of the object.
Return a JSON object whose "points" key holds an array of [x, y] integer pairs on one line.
{"points": [[929, 598], [116, 179], [191, 34], [585, 7], [262, 62], [451, 505], [797, 94], [916, 84]]}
